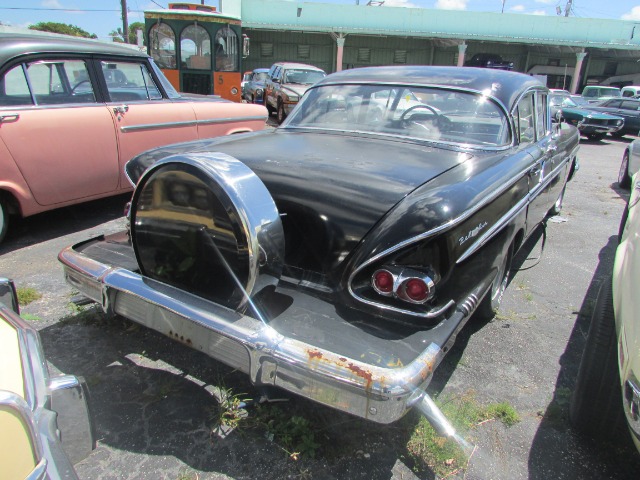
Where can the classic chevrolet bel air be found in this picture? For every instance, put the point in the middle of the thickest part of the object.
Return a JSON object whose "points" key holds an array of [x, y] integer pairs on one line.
{"points": [[338, 256]]}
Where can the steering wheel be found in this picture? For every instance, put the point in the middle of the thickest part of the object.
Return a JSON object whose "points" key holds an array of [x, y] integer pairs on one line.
{"points": [[421, 105], [73, 89]]}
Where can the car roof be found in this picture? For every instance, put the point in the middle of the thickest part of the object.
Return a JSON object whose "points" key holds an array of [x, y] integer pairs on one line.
{"points": [[298, 65], [13, 45], [505, 86], [260, 70]]}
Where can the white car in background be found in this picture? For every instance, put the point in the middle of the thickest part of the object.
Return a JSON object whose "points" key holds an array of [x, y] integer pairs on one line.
{"points": [[630, 164], [606, 400]]}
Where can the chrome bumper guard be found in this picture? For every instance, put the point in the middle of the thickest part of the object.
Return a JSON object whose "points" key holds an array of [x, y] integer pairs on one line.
{"points": [[378, 392]]}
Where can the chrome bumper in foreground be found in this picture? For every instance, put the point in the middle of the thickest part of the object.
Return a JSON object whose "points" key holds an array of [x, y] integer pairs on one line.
{"points": [[308, 349]]}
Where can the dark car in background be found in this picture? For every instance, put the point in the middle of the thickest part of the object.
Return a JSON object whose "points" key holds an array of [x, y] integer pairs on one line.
{"points": [[253, 91], [627, 108], [489, 60], [592, 124], [339, 255]]}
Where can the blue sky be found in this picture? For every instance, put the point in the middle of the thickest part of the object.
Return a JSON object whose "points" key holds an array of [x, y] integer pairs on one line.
{"points": [[103, 16]]}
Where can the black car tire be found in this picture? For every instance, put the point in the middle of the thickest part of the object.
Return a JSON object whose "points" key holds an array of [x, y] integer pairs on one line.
{"points": [[270, 109], [617, 134], [596, 403], [491, 302], [594, 137], [280, 115], [624, 180], [4, 219]]}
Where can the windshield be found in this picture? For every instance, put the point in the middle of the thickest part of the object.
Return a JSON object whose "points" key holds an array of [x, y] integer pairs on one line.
{"points": [[260, 77], [562, 101], [303, 77], [419, 112]]}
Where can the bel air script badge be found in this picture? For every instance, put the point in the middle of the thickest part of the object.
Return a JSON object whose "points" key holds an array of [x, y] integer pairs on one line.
{"points": [[472, 233]]}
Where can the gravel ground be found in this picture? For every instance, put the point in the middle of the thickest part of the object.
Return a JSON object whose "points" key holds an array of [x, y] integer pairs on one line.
{"points": [[152, 399]]}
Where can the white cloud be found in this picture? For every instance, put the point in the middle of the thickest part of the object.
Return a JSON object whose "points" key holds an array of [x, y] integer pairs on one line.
{"points": [[452, 4], [634, 14], [400, 3], [546, 2], [538, 12], [517, 8], [51, 4]]}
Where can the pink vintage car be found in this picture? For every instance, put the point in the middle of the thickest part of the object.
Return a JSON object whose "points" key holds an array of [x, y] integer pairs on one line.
{"points": [[74, 111]]}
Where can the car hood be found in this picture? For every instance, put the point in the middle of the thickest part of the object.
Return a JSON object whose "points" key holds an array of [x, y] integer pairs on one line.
{"points": [[331, 188], [583, 112], [295, 88]]}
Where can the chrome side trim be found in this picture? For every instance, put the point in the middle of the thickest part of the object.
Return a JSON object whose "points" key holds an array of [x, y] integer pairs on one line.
{"points": [[423, 236], [505, 219], [190, 123], [495, 228]]}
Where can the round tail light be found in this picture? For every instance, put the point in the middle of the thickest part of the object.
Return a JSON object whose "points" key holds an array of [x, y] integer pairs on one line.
{"points": [[416, 290], [382, 281]]}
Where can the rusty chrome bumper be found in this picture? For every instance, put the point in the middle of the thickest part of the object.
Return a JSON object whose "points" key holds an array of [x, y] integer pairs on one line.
{"points": [[294, 351]]}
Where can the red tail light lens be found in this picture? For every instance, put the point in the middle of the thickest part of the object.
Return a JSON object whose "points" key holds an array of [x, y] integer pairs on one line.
{"points": [[416, 290], [383, 282]]}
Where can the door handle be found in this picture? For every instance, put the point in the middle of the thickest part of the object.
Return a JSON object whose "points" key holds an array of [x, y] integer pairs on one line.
{"points": [[121, 109], [11, 117]]}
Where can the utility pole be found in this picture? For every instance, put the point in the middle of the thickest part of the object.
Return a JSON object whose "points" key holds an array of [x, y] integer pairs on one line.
{"points": [[503, 2], [125, 22], [567, 8]]}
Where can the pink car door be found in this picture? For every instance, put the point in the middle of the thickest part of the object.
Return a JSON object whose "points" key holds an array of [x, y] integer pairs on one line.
{"points": [[143, 118], [60, 138]]}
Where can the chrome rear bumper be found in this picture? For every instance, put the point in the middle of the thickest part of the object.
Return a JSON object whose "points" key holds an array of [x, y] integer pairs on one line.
{"points": [[299, 350]]}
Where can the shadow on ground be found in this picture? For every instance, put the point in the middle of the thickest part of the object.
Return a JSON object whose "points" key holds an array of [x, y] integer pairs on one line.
{"points": [[554, 437]]}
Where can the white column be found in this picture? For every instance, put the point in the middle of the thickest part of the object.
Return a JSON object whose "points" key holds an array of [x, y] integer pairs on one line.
{"points": [[576, 72], [462, 48], [340, 41]]}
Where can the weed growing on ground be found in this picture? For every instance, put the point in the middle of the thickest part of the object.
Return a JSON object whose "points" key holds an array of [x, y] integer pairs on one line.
{"points": [[26, 295], [29, 317], [445, 456], [504, 412], [229, 411]]}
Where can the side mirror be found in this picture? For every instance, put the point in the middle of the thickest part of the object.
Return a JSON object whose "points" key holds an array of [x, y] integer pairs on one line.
{"points": [[245, 46], [8, 294], [557, 118]]}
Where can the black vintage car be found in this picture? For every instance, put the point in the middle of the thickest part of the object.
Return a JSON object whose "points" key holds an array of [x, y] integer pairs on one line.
{"points": [[338, 256], [489, 60]]}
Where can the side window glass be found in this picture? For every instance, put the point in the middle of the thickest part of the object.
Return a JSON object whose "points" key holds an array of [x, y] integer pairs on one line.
{"points": [[627, 105], [195, 48], [541, 115], [14, 90], [226, 48], [163, 45], [612, 104], [129, 81], [55, 82], [525, 119]]}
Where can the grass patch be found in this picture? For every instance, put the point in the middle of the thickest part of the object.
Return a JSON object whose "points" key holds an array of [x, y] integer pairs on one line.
{"points": [[503, 412], [446, 456], [26, 295], [29, 317]]}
